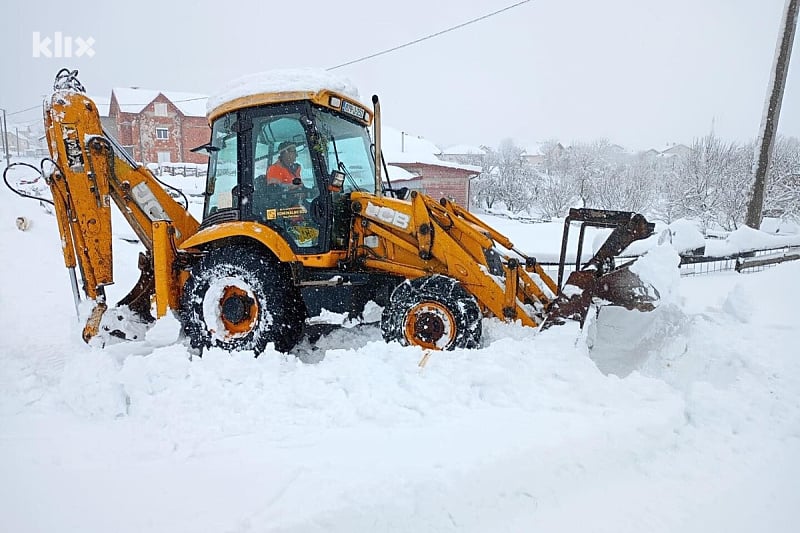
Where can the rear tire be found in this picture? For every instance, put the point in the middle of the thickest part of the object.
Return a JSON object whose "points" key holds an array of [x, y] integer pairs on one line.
{"points": [[237, 298], [433, 312]]}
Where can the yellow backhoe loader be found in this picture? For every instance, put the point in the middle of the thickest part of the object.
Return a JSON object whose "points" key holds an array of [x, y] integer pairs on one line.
{"points": [[268, 255]]}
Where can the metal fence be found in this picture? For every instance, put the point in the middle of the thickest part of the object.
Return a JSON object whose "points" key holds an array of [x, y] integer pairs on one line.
{"points": [[181, 169], [752, 261]]}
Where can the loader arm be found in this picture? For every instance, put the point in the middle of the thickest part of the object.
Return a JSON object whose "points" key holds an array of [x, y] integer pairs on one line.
{"points": [[422, 237], [90, 171]]}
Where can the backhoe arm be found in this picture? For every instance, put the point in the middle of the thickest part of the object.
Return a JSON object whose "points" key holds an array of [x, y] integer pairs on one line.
{"points": [[90, 171]]}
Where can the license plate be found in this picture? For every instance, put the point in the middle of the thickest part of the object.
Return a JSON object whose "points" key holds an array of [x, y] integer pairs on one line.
{"points": [[351, 109]]}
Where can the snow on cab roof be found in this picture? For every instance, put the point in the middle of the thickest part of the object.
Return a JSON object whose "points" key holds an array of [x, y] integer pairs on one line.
{"points": [[282, 80]]}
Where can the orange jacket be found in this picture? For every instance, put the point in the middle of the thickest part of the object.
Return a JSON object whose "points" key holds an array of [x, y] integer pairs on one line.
{"points": [[277, 173]]}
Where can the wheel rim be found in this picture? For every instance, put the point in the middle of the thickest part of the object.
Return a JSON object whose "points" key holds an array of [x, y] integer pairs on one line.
{"points": [[430, 325], [230, 309]]}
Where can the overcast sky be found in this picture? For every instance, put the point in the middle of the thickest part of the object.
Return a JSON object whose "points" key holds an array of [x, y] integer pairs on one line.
{"points": [[641, 73]]}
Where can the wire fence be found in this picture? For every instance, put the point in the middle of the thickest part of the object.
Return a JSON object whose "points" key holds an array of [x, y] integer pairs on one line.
{"points": [[181, 169], [752, 261], [744, 262]]}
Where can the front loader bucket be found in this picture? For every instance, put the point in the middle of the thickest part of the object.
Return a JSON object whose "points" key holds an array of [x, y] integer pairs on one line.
{"points": [[620, 287], [598, 282]]}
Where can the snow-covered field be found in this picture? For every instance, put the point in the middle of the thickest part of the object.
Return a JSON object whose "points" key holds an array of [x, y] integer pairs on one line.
{"points": [[698, 430]]}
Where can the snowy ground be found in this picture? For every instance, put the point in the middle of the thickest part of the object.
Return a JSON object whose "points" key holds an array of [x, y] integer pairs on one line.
{"points": [[698, 430]]}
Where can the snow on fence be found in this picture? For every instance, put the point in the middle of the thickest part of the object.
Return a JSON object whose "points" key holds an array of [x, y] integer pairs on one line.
{"points": [[181, 169], [751, 261]]}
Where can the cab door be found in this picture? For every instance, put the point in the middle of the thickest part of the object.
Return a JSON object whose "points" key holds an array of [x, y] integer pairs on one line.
{"points": [[293, 209]]}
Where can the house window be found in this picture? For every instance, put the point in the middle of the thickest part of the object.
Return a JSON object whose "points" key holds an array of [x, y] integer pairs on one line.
{"points": [[162, 133], [163, 157], [161, 109]]}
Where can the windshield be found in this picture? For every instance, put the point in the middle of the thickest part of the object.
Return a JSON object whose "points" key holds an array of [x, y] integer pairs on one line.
{"points": [[351, 142]]}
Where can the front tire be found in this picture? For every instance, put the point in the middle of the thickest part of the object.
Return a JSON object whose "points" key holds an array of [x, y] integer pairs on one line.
{"points": [[237, 298], [434, 312]]}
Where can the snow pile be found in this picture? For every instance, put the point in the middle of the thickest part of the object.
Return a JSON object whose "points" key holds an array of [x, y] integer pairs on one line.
{"points": [[659, 269], [780, 226], [622, 340], [165, 331], [738, 304], [282, 80], [746, 239], [685, 236], [701, 432]]}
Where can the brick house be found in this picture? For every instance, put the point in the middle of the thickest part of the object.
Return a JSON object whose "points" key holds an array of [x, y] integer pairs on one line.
{"points": [[441, 180], [425, 170], [159, 126]]}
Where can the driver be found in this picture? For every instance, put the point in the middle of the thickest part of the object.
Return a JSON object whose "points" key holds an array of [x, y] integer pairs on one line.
{"points": [[285, 171]]}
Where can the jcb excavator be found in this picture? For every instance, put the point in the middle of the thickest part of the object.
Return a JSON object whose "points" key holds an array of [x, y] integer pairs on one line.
{"points": [[268, 256]]}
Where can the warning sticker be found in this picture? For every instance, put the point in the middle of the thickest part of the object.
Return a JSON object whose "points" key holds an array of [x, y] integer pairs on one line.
{"points": [[291, 211]]}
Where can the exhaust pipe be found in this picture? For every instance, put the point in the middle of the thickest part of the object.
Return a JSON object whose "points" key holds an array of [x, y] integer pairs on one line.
{"points": [[376, 132]]}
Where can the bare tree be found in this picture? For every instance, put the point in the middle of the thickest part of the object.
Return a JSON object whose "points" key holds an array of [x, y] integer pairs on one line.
{"points": [[782, 198], [668, 188], [714, 182], [506, 178], [627, 185], [486, 188], [556, 190], [587, 162]]}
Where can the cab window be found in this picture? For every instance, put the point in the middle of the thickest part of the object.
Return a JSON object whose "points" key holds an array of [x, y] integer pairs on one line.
{"points": [[222, 169]]}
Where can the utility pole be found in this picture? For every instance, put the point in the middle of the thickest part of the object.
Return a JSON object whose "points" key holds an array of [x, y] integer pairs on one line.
{"points": [[772, 111], [5, 137]]}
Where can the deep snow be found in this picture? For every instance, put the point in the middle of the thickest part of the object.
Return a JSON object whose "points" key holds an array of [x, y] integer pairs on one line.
{"points": [[698, 429]]}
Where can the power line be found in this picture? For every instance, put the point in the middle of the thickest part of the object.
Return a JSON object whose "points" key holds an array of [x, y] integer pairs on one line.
{"points": [[23, 110], [145, 103], [431, 36], [376, 54]]}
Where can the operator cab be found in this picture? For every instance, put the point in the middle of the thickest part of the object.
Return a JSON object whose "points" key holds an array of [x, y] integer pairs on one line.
{"points": [[331, 155]]}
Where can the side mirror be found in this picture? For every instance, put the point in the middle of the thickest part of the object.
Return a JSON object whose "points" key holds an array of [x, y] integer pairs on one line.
{"points": [[336, 181]]}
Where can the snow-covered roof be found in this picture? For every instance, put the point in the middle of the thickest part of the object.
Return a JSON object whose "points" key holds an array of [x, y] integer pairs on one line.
{"points": [[400, 174], [534, 149], [282, 80], [676, 149], [400, 147], [103, 104], [134, 100], [395, 143], [464, 149]]}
